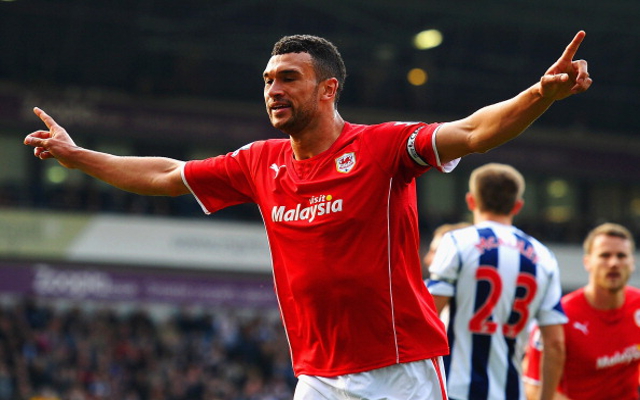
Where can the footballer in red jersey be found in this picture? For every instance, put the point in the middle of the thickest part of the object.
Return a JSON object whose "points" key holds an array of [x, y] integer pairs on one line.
{"points": [[603, 332], [359, 285], [339, 205]]}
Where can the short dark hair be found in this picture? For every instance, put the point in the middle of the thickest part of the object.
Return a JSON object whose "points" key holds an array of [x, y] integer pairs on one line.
{"points": [[608, 229], [327, 61], [496, 187]]}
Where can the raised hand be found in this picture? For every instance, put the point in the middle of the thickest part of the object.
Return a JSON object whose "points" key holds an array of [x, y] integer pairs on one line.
{"points": [[566, 76], [54, 143]]}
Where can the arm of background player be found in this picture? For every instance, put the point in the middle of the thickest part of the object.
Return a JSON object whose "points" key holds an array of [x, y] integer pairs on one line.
{"points": [[142, 175], [496, 124], [553, 357]]}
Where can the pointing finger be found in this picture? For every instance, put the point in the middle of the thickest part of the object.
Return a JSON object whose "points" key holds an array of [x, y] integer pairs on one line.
{"points": [[572, 48], [48, 121]]}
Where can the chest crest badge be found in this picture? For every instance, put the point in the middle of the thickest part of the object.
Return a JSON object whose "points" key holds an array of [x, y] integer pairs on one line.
{"points": [[346, 162]]}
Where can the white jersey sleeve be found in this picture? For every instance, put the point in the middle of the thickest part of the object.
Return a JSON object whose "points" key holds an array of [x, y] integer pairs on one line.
{"points": [[443, 271]]}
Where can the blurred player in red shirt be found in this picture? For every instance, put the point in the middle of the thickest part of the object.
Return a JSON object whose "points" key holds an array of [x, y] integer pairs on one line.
{"points": [[603, 332]]}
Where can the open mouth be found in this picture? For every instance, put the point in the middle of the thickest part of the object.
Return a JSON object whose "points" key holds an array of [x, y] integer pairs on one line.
{"points": [[279, 106], [279, 110]]}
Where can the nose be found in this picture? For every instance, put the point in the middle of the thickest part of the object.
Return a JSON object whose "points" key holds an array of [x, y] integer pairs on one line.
{"points": [[273, 90], [614, 261]]}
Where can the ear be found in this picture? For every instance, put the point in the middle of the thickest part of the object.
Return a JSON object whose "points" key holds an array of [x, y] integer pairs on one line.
{"points": [[585, 263], [471, 201], [517, 207], [329, 89]]}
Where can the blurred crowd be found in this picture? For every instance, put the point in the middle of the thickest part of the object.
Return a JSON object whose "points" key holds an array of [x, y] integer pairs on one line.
{"points": [[54, 353]]}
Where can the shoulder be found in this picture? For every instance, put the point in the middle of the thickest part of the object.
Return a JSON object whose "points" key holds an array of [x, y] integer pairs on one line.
{"points": [[467, 233], [268, 144], [248, 156], [542, 254], [534, 242], [545, 256], [462, 237], [392, 127], [577, 296], [632, 294], [255, 149], [633, 290]]}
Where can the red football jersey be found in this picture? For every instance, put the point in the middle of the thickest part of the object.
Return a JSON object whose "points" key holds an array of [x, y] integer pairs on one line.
{"points": [[343, 233], [603, 349]]}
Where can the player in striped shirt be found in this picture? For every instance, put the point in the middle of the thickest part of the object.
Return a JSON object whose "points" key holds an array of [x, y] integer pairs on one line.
{"points": [[496, 279]]}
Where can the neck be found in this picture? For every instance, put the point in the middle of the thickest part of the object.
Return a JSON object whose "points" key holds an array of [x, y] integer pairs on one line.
{"points": [[317, 138], [603, 299], [479, 217]]}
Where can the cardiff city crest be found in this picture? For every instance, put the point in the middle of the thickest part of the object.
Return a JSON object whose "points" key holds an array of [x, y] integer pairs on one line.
{"points": [[346, 162]]}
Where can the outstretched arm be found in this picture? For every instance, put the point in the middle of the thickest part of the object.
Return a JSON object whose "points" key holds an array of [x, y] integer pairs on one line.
{"points": [[498, 123], [143, 175]]}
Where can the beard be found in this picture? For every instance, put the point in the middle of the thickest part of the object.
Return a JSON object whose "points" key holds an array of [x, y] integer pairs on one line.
{"points": [[301, 116], [614, 285]]}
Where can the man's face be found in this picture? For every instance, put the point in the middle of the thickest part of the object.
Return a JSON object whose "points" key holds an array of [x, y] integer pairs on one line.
{"points": [[291, 92], [610, 262]]}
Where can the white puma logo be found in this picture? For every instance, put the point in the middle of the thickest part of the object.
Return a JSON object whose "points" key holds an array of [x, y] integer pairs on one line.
{"points": [[584, 328], [276, 168]]}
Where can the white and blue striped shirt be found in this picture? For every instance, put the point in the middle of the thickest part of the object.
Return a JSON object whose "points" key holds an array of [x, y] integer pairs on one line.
{"points": [[499, 279]]}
